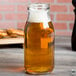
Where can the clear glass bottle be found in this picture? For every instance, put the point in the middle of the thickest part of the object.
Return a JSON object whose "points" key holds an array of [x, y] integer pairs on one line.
{"points": [[39, 40]]}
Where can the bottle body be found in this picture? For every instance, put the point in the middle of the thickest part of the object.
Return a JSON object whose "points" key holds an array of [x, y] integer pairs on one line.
{"points": [[73, 39], [39, 45]]}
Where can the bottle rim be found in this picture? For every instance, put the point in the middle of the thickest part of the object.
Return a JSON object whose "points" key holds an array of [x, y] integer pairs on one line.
{"points": [[38, 6]]}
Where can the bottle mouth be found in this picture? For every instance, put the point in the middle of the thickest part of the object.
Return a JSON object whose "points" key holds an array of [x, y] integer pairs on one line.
{"points": [[39, 6]]}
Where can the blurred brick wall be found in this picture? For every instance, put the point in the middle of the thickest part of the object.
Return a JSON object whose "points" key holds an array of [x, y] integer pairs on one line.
{"points": [[13, 14]]}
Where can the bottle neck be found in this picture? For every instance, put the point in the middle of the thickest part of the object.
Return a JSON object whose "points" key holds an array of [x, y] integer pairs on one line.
{"points": [[38, 16], [40, 13]]}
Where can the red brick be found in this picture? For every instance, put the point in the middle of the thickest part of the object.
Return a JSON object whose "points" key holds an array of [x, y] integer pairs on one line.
{"points": [[65, 17], [52, 17], [19, 1], [42, 1], [60, 26], [10, 16], [15, 16], [22, 8], [1, 1], [64, 1], [21, 16], [63, 33], [0, 16], [21, 25], [7, 7], [15, 1], [71, 26], [58, 8], [5, 25], [71, 7]]}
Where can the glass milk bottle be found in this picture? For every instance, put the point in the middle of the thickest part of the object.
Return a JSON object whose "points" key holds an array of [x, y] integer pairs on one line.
{"points": [[39, 40]]}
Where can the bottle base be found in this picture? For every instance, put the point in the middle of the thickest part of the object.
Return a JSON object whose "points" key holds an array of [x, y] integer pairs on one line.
{"points": [[38, 72], [74, 49]]}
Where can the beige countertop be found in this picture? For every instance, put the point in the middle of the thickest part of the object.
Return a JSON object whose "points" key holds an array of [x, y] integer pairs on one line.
{"points": [[11, 60]]}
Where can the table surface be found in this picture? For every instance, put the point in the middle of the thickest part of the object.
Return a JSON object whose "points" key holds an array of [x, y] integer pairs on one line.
{"points": [[12, 60]]}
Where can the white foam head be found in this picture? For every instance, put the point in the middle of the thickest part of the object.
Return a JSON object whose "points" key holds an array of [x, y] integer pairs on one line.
{"points": [[38, 16], [38, 13]]}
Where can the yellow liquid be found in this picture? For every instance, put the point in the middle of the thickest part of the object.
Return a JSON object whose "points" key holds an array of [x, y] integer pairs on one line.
{"points": [[39, 48]]}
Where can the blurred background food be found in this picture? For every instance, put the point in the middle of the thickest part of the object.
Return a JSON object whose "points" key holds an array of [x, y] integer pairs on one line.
{"points": [[3, 34], [11, 33]]}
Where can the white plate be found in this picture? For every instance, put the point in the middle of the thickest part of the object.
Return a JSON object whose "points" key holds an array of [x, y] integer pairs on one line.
{"points": [[11, 41]]}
